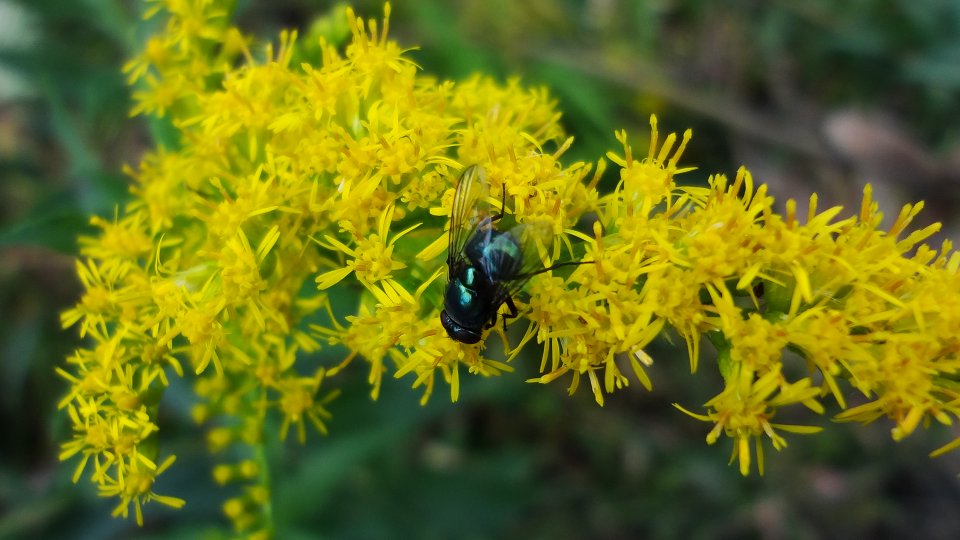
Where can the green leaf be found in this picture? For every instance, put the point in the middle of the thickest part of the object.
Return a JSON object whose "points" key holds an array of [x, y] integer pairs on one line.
{"points": [[53, 230]]}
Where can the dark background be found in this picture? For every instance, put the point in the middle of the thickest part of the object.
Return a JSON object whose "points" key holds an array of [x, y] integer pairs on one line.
{"points": [[822, 96]]}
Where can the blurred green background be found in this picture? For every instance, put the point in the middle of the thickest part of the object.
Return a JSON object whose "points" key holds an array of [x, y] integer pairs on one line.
{"points": [[813, 96]]}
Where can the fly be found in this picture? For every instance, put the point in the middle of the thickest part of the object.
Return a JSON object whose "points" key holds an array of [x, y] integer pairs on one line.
{"points": [[485, 266]]}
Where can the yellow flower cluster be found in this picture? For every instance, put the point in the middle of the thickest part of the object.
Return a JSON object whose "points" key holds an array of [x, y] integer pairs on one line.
{"points": [[311, 168]]}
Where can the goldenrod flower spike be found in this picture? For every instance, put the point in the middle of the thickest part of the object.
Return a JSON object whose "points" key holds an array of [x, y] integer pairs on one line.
{"points": [[289, 181]]}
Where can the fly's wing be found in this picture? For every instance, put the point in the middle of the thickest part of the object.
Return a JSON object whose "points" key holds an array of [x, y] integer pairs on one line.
{"points": [[536, 242], [470, 210]]}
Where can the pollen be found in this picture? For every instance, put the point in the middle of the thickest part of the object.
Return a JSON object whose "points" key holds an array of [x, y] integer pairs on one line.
{"points": [[374, 260]]}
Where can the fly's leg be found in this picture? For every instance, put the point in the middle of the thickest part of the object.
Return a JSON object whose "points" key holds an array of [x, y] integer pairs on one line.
{"points": [[511, 315], [502, 330], [513, 311], [503, 201]]}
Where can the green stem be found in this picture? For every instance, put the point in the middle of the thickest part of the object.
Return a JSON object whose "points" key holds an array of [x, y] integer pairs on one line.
{"points": [[263, 468]]}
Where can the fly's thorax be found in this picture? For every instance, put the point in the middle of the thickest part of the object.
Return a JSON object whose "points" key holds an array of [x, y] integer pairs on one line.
{"points": [[465, 298], [497, 254]]}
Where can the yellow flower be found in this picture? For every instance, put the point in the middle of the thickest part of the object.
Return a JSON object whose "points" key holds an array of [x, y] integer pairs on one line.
{"points": [[372, 259], [647, 182], [343, 169], [747, 404], [134, 483], [298, 403]]}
